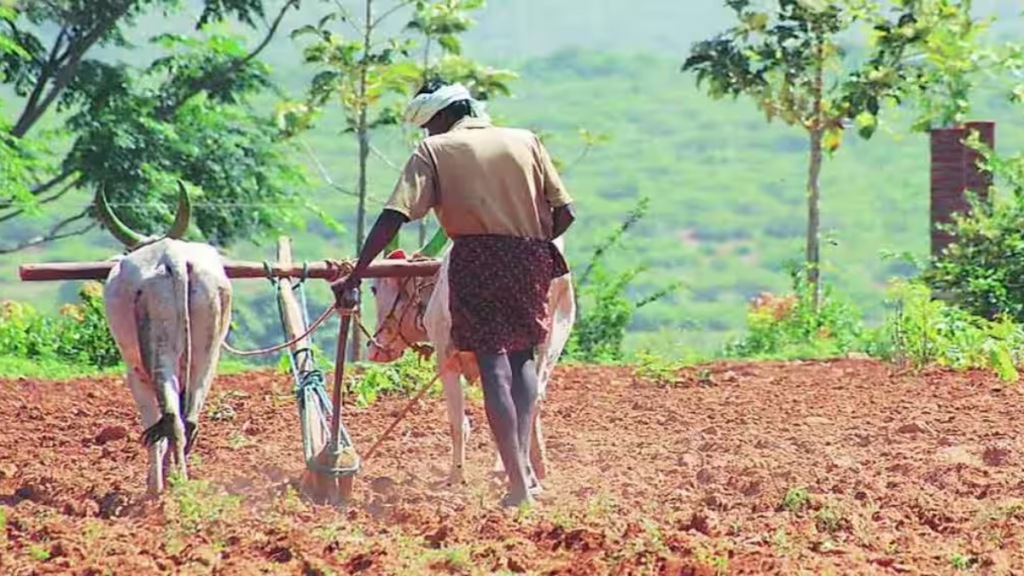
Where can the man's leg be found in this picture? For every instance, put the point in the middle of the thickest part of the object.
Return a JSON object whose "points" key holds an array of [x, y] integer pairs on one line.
{"points": [[496, 378], [524, 395]]}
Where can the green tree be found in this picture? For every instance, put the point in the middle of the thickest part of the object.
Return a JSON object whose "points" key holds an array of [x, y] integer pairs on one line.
{"points": [[790, 59], [368, 75], [133, 130]]}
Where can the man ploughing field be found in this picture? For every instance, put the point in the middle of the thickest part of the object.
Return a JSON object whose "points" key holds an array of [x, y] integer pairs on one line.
{"points": [[497, 195]]}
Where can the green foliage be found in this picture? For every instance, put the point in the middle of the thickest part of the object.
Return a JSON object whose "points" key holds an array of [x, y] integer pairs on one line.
{"points": [[197, 506], [132, 130], [661, 372], [921, 331], [781, 59], [404, 376], [935, 48], [791, 61], [788, 327], [78, 336], [604, 310], [796, 499], [727, 198]]}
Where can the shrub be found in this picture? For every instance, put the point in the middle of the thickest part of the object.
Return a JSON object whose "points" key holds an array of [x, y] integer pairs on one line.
{"points": [[787, 326], [604, 312], [402, 377], [920, 331], [77, 335]]}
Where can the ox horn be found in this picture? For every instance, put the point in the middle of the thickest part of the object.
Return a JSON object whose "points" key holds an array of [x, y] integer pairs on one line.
{"points": [[112, 223], [183, 215]]}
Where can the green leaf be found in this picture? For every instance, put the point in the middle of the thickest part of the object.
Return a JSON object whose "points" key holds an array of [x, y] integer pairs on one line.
{"points": [[450, 44], [866, 123], [831, 140], [433, 247]]}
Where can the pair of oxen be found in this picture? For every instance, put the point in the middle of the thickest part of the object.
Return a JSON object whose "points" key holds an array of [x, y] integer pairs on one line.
{"points": [[168, 305]]}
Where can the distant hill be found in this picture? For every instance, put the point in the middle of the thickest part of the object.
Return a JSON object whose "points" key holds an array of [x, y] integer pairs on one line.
{"points": [[727, 190]]}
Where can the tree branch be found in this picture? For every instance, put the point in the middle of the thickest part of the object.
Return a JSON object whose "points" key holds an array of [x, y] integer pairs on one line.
{"points": [[46, 69], [349, 17], [327, 177], [376, 151], [219, 77], [387, 13], [54, 233], [56, 196], [66, 73], [45, 186]]}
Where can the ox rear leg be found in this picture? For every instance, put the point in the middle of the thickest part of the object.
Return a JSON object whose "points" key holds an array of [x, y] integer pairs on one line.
{"points": [[458, 424], [169, 428], [208, 331], [149, 411]]}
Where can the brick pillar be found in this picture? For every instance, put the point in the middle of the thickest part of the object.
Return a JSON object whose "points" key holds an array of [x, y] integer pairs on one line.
{"points": [[955, 169], [947, 182]]}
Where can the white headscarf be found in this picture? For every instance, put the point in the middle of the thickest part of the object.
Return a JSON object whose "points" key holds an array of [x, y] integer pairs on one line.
{"points": [[423, 107]]}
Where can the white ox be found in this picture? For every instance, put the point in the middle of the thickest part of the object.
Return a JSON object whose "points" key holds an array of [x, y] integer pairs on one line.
{"points": [[412, 311], [168, 305]]}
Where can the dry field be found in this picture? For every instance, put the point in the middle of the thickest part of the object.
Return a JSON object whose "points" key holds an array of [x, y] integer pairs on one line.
{"points": [[843, 467]]}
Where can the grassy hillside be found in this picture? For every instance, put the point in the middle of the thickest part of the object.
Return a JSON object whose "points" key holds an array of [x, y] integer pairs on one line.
{"points": [[726, 189]]}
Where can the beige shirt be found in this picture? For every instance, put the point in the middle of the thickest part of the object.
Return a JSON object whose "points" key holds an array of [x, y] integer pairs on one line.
{"points": [[482, 179]]}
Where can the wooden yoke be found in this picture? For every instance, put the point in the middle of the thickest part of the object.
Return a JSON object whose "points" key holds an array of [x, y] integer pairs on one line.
{"points": [[55, 271]]}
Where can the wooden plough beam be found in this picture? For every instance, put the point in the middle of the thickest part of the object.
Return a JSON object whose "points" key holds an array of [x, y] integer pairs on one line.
{"points": [[56, 271]]}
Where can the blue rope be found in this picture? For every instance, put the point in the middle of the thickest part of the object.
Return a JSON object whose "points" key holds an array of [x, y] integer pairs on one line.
{"points": [[310, 386]]}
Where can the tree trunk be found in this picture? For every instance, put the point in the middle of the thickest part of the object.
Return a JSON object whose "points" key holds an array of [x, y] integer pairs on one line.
{"points": [[814, 220], [362, 130], [813, 174], [428, 40], [355, 344]]}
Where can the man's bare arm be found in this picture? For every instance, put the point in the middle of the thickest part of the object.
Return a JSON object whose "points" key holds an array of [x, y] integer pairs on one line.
{"points": [[562, 217], [384, 229]]}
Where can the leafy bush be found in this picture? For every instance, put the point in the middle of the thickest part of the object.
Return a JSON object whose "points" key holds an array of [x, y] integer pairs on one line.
{"points": [[603, 310], [402, 377], [77, 335], [920, 331], [787, 326]]}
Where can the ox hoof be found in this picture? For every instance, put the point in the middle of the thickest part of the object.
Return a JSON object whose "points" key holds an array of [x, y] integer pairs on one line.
{"points": [[191, 433], [535, 488]]}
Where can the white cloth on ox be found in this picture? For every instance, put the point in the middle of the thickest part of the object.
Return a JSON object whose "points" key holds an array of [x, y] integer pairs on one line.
{"points": [[423, 107], [561, 306]]}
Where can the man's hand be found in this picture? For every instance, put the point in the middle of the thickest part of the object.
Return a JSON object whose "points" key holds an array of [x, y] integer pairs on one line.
{"points": [[346, 291]]}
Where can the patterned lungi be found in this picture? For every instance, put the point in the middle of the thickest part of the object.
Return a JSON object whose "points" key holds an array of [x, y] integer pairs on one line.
{"points": [[498, 291]]}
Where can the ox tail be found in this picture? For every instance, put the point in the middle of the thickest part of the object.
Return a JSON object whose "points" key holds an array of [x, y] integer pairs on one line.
{"points": [[181, 271]]}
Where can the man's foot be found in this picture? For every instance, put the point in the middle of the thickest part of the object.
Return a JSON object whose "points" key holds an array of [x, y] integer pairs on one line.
{"points": [[511, 501]]}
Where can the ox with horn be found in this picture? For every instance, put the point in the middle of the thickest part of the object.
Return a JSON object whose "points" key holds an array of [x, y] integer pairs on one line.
{"points": [[168, 305]]}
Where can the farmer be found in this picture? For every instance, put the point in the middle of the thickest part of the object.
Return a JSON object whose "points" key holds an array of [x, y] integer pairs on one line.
{"points": [[497, 195]]}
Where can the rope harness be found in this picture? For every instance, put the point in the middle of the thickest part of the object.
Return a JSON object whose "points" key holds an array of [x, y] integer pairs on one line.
{"points": [[310, 385], [343, 269]]}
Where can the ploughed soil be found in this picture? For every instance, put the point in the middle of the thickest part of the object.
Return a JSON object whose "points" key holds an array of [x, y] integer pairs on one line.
{"points": [[842, 467]]}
